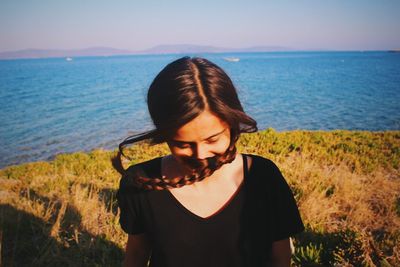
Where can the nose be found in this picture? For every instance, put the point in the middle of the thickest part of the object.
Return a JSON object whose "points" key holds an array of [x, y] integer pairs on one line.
{"points": [[200, 151]]}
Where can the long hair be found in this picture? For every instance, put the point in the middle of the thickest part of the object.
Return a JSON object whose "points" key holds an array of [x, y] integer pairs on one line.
{"points": [[178, 94]]}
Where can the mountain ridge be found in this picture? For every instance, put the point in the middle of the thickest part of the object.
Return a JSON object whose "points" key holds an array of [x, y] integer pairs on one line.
{"points": [[109, 51]]}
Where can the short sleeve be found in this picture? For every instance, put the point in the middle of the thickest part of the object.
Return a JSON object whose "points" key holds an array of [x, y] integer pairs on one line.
{"points": [[130, 201], [286, 216]]}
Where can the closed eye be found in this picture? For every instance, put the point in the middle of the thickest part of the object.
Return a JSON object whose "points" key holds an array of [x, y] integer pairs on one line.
{"points": [[181, 145], [212, 141]]}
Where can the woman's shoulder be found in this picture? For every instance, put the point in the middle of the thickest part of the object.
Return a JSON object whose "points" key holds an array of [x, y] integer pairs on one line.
{"points": [[260, 162], [149, 169], [264, 171]]}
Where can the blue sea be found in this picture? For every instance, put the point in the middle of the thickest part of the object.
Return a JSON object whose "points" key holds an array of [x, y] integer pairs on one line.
{"points": [[53, 106]]}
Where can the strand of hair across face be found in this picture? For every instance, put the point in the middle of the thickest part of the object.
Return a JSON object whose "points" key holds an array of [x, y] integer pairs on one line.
{"points": [[141, 181]]}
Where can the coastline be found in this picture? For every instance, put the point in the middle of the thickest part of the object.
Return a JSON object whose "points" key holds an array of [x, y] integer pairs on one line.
{"points": [[106, 149]]}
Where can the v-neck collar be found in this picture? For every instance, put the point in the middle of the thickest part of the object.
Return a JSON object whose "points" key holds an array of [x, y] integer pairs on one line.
{"points": [[220, 210]]}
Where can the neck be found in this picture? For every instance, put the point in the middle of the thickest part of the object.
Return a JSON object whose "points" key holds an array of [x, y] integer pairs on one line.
{"points": [[228, 175]]}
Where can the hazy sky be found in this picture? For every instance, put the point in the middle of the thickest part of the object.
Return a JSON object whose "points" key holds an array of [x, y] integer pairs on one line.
{"points": [[136, 25]]}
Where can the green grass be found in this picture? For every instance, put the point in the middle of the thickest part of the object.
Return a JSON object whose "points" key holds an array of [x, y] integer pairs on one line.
{"points": [[346, 183]]}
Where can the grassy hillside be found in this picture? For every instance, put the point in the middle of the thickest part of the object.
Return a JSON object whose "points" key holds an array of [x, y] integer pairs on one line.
{"points": [[347, 185]]}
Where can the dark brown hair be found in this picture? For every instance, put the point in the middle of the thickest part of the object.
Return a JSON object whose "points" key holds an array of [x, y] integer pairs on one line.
{"points": [[179, 93]]}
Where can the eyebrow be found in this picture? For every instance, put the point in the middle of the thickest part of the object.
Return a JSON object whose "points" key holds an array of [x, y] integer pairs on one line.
{"points": [[205, 139]]}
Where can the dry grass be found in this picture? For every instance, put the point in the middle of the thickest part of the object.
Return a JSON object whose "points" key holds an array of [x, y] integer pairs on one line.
{"points": [[347, 185]]}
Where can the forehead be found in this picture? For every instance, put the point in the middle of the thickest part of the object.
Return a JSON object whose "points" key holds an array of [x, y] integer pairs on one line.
{"points": [[200, 128]]}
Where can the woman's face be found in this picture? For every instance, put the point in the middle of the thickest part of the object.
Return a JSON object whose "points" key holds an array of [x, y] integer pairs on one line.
{"points": [[203, 137]]}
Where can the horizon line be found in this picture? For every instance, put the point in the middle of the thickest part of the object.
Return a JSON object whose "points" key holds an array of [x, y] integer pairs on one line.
{"points": [[191, 49]]}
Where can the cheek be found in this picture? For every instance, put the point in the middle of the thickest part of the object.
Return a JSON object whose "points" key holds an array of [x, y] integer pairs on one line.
{"points": [[222, 146]]}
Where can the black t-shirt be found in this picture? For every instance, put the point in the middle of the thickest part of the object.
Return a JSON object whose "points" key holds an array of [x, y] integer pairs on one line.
{"points": [[241, 233]]}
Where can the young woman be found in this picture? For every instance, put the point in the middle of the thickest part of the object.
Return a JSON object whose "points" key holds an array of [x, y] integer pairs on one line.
{"points": [[204, 204]]}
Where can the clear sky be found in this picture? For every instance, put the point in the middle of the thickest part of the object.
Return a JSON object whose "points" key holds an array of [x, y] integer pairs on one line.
{"points": [[142, 24]]}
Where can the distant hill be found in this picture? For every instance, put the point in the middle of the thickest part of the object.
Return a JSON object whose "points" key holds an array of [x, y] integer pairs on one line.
{"points": [[182, 49], [267, 49], [48, 53], [108, 51], [187, 48]]}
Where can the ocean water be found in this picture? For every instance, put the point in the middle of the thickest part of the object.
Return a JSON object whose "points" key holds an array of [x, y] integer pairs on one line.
{"points": [[52, 106]]}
